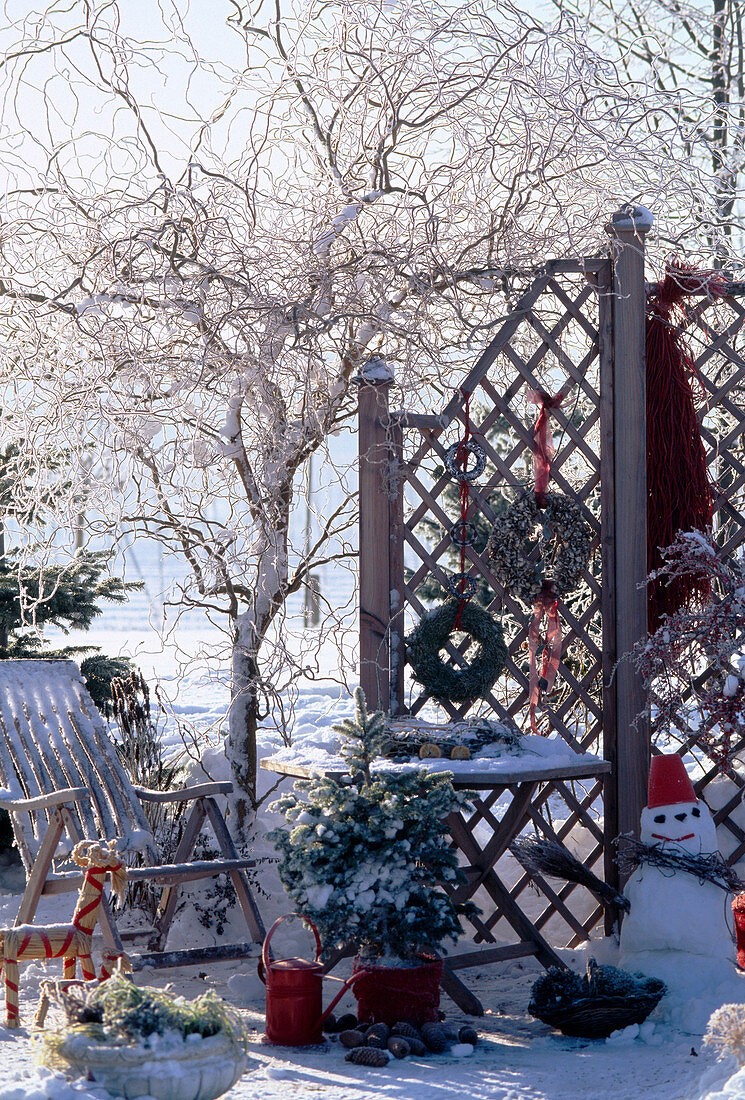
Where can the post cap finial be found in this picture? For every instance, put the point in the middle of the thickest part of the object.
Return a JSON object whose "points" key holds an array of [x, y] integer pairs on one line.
{"points": [[631, 216], [375, 371]]}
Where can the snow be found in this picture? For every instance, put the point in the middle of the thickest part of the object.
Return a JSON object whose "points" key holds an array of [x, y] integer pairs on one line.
{"points": [[315, 747], [516, 1058]]}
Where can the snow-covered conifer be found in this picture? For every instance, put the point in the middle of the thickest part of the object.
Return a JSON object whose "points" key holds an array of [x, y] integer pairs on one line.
{"points": [[365, 855]]}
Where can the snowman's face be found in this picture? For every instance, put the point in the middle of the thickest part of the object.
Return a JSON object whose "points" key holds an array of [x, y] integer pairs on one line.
{"points": [[687, 826]]}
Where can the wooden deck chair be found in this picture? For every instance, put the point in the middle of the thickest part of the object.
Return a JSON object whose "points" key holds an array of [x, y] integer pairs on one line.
{"points": [[64, 782]]}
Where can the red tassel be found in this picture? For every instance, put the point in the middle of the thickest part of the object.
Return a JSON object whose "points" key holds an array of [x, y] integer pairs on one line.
{"points": [[680, 494]]}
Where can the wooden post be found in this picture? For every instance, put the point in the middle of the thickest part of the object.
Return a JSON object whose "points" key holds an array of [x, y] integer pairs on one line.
{"points": [[626, 737], [374, 536], [397, 647]]}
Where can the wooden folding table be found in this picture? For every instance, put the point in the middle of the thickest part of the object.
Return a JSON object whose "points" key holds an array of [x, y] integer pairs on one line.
{"points": [[478, 860]]}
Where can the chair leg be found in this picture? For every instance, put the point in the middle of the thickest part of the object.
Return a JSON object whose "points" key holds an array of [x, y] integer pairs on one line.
{"points": [[169, 897], [42, 868], [240, 880]]}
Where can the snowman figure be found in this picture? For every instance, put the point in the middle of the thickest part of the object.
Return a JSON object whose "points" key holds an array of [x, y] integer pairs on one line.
{"points": [[676, 928]]}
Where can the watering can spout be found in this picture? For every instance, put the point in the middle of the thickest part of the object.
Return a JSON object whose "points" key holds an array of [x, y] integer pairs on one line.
{"points": [[294, 993]]}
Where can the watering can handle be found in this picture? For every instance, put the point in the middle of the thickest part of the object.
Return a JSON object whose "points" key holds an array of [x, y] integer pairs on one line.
{"points": [[264, 962], [347, 984]]}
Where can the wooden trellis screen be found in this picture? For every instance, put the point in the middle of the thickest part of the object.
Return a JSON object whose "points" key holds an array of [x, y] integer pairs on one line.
{"points": [[581, 321], [715, 332]]}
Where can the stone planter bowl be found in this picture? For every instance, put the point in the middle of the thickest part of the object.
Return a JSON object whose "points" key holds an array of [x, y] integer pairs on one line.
{"points": [[200, 1070]]}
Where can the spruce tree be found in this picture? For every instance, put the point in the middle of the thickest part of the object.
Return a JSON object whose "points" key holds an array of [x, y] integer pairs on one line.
{"points": [[364, 855], [35, 594]]}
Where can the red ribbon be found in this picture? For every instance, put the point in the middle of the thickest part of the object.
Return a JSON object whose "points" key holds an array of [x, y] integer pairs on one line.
{"points": [[543, 441], [546, 604]]}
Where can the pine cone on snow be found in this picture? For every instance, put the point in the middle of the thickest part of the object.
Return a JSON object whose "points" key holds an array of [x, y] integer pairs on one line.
{"points": [[406, 1030], [468, 1034], [368, 1056], [351, 1039], [399, 1047], [435, 1037], [381, 1030], [374, 1040], [348, 1022]]}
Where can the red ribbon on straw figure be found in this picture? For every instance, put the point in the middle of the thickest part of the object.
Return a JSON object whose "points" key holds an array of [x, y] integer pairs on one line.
{"points": [[546, 604]]}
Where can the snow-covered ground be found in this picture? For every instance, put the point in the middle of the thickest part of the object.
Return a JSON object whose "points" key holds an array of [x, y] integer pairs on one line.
{"points": [[517, 1057]]}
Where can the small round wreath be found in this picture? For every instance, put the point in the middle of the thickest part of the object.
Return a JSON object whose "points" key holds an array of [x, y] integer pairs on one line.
{"points": [[469, 583], [568, 546], [442, 681], [456, 471], [464, 532]]}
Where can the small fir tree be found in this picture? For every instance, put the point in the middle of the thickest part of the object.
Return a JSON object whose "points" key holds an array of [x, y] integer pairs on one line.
{"points": [[365, 854], [36, 594]]}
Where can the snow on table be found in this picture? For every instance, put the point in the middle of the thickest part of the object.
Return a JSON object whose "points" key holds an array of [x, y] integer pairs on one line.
{"points": [[537, 758]]}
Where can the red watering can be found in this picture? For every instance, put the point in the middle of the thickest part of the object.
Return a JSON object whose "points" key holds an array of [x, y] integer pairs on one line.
{"points": [[294, 993]]}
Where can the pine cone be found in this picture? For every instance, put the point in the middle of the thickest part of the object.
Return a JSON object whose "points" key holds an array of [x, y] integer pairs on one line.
{"points": [[373, 1040], [468, 1034], [406, 1030], [417, 1047], [435, 1038], [330, 1025], [347, 1022], [351, 1039], [399, 1047], [381, 1030], [368, 1056]]}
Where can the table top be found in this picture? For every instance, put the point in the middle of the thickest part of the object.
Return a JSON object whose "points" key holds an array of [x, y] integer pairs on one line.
{"points": [[468, 777]]}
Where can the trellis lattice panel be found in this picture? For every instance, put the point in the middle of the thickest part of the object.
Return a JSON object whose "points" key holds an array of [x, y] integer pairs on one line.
{"points": [[551, 342], [715, 333]]}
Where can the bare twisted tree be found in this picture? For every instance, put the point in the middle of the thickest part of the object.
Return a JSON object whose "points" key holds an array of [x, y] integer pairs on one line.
{"points": [[693, 55], [213, 219]]}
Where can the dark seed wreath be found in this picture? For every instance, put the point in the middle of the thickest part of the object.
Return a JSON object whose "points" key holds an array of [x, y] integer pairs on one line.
{"points": [[568, 547], [458, 473], [440, 680]]}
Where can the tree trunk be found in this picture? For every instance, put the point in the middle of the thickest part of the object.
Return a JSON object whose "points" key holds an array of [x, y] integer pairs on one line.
{"points": [[242, 725], [249, 631]]}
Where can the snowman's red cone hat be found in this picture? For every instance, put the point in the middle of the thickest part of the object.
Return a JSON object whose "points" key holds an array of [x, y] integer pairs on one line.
{"points": [[669, 782]]}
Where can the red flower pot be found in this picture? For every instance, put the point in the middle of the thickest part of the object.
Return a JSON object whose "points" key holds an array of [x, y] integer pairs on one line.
{"points": [[389, 994], [738, 908]]}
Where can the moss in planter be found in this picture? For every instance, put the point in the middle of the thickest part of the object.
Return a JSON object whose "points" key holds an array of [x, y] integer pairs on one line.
{"points": [[118, 1012]]}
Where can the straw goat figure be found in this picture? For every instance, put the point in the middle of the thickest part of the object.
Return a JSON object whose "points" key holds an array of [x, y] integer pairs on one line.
{"points": [[66, 941]]}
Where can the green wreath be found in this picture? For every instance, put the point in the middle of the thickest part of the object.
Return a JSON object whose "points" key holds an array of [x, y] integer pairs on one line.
{"points": [[440, 680], [568, 546]]}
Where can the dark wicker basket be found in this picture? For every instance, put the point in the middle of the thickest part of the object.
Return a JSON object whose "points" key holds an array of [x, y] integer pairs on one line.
{"points": [[597, 1017], [595, 1013]]}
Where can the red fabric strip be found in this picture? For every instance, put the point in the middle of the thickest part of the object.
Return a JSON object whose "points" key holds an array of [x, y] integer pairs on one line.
{"points": [[546, 605], [543, 442]]}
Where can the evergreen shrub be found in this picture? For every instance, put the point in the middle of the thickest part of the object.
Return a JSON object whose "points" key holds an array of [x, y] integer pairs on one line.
{"points": [[365, 855]]}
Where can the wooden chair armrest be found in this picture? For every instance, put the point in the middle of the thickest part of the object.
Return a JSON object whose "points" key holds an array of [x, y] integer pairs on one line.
{"points": [[42, 801], [186, 794]]}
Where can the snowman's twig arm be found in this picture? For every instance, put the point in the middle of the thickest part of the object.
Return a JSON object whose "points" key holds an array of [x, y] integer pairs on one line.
{"points": [[709, 867], [546, 857]]}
